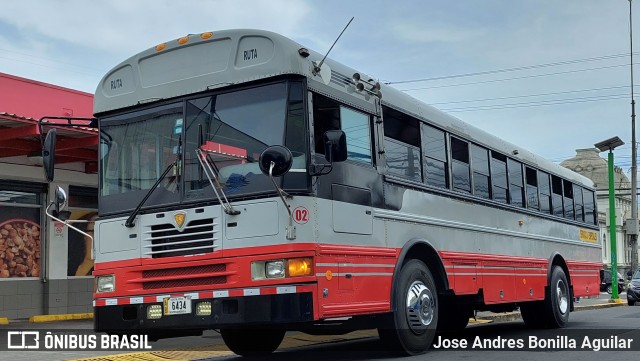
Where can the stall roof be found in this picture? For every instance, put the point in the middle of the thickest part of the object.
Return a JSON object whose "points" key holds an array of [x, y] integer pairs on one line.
{"points": [[24, 101]]}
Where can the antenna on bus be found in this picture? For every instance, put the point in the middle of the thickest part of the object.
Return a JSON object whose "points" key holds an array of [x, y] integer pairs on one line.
{"points": [[318, 67]]}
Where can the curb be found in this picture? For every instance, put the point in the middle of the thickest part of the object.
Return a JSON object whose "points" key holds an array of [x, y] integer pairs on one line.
{"points": [[4, 321], [513, 316], [61, 317]]}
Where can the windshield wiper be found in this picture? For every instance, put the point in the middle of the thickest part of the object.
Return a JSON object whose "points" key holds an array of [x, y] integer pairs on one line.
{"points": [[130, 221], [211, 171]]}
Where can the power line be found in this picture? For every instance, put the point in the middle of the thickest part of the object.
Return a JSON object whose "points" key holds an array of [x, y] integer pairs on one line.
{"points": [[539, 103], [532, 95], [519, 68], [518, 78]]}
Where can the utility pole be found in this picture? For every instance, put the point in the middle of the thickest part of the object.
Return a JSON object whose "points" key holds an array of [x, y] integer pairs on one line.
{"points": [[632, 231]]}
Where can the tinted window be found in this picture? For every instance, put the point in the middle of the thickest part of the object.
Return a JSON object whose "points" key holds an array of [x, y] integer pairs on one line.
{"points": [[568, 199], [435, 157], [532, 188], [516, 190], [403, 159], [577, 198], [460, 165], [480, 166], [589, 206], [499, 177], [556, 197], [544, 187]]}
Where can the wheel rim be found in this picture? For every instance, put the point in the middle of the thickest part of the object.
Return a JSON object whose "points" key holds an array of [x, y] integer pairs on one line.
{"points": [[421, 307], [562, 294]]}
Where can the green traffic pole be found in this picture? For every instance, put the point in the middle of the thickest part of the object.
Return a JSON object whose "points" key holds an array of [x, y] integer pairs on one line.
{"points": [[612, 231]]}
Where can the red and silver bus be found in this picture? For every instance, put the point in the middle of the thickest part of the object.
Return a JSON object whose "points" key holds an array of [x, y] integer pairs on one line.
{"points": [[248, 186]]}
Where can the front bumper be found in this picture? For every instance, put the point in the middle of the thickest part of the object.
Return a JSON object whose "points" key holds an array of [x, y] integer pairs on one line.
{"points": [[255, 310]]}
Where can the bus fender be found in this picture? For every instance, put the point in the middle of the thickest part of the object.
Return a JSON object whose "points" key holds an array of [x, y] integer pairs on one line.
{"points": [[422, 249], [557, 259]]}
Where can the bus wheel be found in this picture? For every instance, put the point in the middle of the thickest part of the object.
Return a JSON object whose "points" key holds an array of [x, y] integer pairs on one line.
{"points": [[252, 342], [411, 328], [557, 301]]}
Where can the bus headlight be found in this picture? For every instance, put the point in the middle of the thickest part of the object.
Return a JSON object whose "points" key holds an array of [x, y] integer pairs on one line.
{"points": [[274, 269], [106, 283]]}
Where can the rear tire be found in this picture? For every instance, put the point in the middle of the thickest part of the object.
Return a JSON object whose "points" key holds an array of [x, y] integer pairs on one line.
{"points": [[557, 302], [631, 303], [252, 342], [412, 327]]}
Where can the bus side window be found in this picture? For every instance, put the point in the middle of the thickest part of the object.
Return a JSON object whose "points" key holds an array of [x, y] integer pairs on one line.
{"points": [[434, 148], [568, 199], [402, 145], [577, 198], [330, 115], [532, 188], [326, 116], [499, 177], [556, 183], [545, 192], [460, 165], [516, 186], [357, 128], [480, 166], [589, 207]]}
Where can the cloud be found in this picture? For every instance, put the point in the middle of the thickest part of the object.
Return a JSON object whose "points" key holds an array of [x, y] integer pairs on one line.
{"points": [[432, 33]]}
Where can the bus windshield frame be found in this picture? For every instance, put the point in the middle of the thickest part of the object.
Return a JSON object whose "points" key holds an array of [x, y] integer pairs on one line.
{"points": [[232, 126]]}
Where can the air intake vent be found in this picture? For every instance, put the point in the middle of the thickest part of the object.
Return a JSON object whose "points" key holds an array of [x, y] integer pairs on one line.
{"points": [[198, 236]]}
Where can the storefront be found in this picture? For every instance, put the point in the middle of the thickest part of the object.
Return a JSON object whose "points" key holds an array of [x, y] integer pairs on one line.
{"points": [[44, 268]]}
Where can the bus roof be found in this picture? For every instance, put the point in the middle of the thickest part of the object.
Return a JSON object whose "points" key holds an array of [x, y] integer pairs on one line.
{"points": [[201, 62]]}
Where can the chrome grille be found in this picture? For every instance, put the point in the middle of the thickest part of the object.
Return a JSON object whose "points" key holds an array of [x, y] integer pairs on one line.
{"points": [[164, 240]]}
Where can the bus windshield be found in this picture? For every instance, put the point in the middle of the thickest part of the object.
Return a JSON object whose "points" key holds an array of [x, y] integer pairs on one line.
{"points": [[232, 128]]}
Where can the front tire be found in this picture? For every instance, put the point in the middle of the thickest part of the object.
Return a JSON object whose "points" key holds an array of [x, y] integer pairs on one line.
{"points": [[412, 326], [631, 303], [252, 342]]}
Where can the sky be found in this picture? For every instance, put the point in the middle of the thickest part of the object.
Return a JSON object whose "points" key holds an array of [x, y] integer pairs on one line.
{"points": [[550, 76]]}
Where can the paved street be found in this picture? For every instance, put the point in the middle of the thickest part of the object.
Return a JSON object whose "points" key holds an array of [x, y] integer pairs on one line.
{"points": [[594, 314]]}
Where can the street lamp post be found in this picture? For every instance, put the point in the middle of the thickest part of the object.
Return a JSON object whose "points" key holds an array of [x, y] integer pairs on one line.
{"points": [[610, 144], [632, 231]]}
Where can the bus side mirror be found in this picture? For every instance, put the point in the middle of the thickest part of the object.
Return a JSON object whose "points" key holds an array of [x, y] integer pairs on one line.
{"points": [[335, 146], [60, 200], [48, 154], [275, 161]]}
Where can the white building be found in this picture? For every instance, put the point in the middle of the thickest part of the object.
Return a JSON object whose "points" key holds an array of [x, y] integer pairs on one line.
{"points": [[589, 163]]}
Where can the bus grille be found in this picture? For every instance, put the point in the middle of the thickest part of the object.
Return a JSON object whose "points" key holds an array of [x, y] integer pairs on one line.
{"points": [[198, 236], [188, 282]]}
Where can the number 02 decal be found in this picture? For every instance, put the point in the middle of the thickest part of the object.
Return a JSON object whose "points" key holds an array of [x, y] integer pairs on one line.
{"points": [[301, 215]]}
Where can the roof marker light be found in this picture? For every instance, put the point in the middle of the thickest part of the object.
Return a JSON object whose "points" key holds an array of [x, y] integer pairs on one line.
{"points": [[161, 47], [206, 35], [183, 40]]}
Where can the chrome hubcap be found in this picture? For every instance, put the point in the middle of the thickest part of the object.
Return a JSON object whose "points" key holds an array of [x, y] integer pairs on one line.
{"points": [[562, 294], [421, 306]]}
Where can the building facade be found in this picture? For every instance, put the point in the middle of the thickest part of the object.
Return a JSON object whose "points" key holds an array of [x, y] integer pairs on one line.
{"points": [[44, 268], [589, 163]]}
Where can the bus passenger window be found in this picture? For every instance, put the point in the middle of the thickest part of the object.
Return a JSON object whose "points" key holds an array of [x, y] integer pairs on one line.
{"points": [[545, 192], [516, 188], [499, 177], [480, 166], [556, 200], [590, 214], [577, 198], [532, 188], [460, 165], [402, 145], [435, 156], [326, 116], [568, 199]]}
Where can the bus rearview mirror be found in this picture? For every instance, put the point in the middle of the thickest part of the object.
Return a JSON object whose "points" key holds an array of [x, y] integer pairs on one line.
{"points": [[335, 146], [48, 154]]}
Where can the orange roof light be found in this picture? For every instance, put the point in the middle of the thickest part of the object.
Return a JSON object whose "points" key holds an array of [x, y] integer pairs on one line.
{"points": [[161, 47], [206, 35], [183, 40]]}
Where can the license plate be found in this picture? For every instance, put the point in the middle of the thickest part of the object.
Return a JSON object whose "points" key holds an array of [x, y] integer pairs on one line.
{"points": [[177, 305]]}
